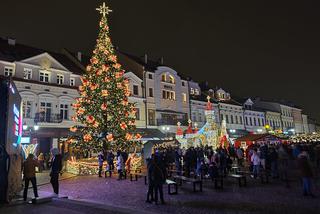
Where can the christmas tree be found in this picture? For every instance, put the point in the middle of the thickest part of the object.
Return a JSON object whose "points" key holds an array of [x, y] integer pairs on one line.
{"points": [[103, 109]]}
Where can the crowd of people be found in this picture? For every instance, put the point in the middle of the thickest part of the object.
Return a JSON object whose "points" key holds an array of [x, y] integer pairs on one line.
{"points": [[276, 160]]}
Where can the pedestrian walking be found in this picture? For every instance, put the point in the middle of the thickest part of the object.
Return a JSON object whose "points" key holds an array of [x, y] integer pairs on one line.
{"points": [[159, 178], [29, 174], [56, 167]]}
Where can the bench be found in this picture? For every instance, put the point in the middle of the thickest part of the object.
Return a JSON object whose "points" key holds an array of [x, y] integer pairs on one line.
{"points": [[240, 178], [174, 184], [195, 182]]}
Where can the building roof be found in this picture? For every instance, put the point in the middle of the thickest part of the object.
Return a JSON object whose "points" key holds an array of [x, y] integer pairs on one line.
{"points": [[18, 52]]}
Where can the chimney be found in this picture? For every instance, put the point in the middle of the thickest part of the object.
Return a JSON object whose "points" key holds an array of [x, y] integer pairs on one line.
{"points": [[79, 56], [146, 58], [11, 41]]}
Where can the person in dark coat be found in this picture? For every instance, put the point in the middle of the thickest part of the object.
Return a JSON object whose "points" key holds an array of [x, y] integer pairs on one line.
{"points": [[306, 173], [110, 159], [29, 174], [100, 163], [158, 178], [150, 166], [56, 167]]}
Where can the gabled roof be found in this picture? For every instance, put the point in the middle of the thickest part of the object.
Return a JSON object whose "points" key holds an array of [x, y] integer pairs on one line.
{"points": [[19, 52]]}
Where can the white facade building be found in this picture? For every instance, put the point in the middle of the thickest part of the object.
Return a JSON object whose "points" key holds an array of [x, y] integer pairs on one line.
{"points": [[47, 83]]}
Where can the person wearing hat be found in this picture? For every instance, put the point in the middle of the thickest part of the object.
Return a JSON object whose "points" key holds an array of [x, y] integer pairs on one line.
{"points": [[56, 167]]}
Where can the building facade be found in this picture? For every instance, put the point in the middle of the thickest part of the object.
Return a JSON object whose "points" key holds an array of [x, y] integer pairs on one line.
{"points": [[47, 83]]}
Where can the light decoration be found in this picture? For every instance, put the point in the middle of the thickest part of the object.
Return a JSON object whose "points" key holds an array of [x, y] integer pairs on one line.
{"points": [[103, 106], [208, 135]]}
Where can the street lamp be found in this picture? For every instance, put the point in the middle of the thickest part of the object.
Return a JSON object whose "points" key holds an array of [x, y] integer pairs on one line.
{"points": [[36, 127]]}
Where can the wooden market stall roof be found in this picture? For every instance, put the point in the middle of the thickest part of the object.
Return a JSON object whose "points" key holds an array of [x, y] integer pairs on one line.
{"points": [[252, 137]]}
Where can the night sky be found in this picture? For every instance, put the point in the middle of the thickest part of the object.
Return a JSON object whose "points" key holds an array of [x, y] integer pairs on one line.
{"points": [[250, 48]]}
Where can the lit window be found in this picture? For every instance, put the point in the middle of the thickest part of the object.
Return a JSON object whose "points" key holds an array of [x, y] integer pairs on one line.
{"points": [[72, 82], [168, 95], [59, 79], [44, 76], [163, 77], [8, 71], [27, 73], [171, 79], [135, 90], [150, 76], [184, 97]]}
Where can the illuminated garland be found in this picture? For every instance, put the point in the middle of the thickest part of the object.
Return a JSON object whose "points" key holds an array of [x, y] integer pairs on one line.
{"points": [[104, 110]]}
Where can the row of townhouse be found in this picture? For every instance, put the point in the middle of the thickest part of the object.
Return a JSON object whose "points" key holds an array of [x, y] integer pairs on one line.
{"points": [[48, 83]]}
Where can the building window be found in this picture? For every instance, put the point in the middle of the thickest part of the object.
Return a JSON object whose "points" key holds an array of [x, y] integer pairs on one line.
{"points": [[182, 83], [59, 79], [137, 115], [135, 90], [246, 118], [236, 119], [191, 90], [221, 117], [44, 76], [163, 77], [250, 119], [26, 109], [64, 111], [184, 97], [150, 92], [168, 95], [150, 76], [72, 82], [196, 92], [171, 79], [231, 116], [255, 121], [151, 117], [8, 71], [241, 120], [262, 120], [259, 122], [27, 73], [45, 112], [227, 118]]}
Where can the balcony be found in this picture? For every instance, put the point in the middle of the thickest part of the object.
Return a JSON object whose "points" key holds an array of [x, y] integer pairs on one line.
{"points": [[43, 117]]}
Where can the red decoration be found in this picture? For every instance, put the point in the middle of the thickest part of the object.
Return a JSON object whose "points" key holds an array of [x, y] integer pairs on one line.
{"points": [[87, 137], [123, 126], [104, 106], [90, 119]]}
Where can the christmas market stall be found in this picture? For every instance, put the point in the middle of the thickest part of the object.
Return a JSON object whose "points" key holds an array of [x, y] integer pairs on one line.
{"points": [[257, 139]]}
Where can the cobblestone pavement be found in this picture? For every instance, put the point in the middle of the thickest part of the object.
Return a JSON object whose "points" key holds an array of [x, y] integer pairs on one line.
{"points": [[255, 198]]}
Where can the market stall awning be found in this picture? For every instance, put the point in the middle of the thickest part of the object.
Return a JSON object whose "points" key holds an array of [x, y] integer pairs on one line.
{"points": [[152, 135]]}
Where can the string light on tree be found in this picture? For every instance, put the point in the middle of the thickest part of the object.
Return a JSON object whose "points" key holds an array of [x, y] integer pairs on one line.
{"points": [[103, 107]]}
